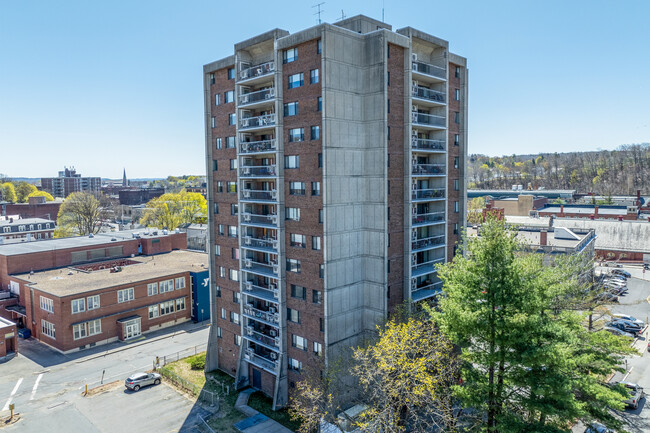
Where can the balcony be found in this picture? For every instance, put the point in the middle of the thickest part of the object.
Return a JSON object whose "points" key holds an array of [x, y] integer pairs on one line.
{"points": [[428, 95], [266, 245], [258, 97], [259, 195], [270, 342], [429, 70], [427, 144], [266, 269], [428, 194], [267, 293], [257, 71], [262, 362], [428, 218], [258, 171], [262, 146], [266, 316], [269, 220], [257, 122], [420, 269], [427, 243], [428, 169], [425, 291], [428, 120]]}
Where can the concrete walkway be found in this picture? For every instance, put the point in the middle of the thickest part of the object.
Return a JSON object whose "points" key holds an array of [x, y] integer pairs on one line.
{"points": [[256, 422]]}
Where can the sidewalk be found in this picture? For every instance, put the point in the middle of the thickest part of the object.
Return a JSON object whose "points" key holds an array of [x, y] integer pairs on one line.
{"points": [[256, 422]]}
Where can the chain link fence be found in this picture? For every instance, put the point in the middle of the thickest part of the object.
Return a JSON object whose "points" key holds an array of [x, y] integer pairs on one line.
{"points": [[191, 351]]}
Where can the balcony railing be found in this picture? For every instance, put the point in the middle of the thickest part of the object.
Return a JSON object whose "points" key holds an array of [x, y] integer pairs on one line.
{"points": [[260, 95], [261, 361], [427, 69], [423, 194], [260, 170], [259, 219], [257, 71], [271, 269], [426, 267], [270, 292], [428, 286], [262, 338], [428, 119], [257, 121], [428, 94], [428, 169], [428, 218], [267, 243], [258, 146], [427, 144], [251, 194], [267, 316], [428, 242]]}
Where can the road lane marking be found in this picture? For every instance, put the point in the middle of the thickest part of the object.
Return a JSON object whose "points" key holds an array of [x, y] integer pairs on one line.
{"points": [[6, 407], [38, 379]]}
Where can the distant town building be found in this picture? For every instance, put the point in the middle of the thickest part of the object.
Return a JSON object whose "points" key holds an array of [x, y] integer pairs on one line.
{"points": [[68, 182], [552, 194], [197, 236], [132, 197], [14, 230], [36, 207], [589, 211], [203, 189], [521, 205], [125, 182]]}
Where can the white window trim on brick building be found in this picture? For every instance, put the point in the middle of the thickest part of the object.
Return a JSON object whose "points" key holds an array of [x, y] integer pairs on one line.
{"points": [[93, 302], [47, 328], [47, 304], [78, 305], [152, 289], [180, 283], [125, 295]]}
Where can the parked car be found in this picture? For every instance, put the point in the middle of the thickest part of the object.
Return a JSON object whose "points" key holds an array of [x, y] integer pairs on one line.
{"points": [[625, 326], [622, 272], [646, 266], [607, 297], [617, 331], [617, 290], [629, 319], [138, 380], [597, 427], [636, 394], [615, 281]]}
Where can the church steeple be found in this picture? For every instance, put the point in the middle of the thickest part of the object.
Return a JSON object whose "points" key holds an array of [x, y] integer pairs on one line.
{"points": [[124, 181]]}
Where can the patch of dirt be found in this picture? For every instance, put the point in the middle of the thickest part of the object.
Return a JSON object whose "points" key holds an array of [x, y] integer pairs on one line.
{"points": [[7, 421], [103, 388]]}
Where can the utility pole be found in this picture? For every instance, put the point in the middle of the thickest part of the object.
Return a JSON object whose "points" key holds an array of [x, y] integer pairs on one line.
{"points": [[319, 11]]}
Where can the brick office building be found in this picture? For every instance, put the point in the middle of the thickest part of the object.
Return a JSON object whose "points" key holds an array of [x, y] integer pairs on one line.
{"points": [[68, 182], [27, 229], [336, 182], [36, 207], [85, 305]]}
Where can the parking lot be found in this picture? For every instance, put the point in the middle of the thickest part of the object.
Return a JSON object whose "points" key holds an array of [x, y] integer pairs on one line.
{"points": [[636, 302]]}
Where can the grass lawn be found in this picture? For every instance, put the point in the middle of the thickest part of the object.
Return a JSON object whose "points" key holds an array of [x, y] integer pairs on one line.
{"points": [[223, 421]]}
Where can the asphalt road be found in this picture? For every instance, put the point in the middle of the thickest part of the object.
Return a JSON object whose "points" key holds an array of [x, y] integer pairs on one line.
{"points": [[46, 387]]}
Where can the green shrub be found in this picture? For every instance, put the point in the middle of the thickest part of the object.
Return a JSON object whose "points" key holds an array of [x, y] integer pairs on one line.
{"points": [[197, 362]]}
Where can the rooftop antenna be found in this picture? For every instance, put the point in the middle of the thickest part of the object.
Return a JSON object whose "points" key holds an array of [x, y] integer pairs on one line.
{"points": [[342, 15], [383, 3], [320, 11]]}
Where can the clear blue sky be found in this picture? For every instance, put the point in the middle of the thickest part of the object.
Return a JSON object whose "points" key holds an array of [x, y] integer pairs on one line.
{"points": [[113, 84]]}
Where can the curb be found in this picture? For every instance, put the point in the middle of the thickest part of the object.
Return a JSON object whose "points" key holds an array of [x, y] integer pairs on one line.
{"points": [[129, 346]]}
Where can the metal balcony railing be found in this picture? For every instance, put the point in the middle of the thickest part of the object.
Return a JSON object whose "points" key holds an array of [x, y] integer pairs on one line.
{"points": [[427, 144], [251, 194], [258, 146], [426, 266], [428, 169], [269, 292], [429, 285], [269, 219], [428, 119], [427, 69], [264, 268], [249, 241], [260, 95], [267, 316], [428, 242], [262, 338], [428, 94], [423, 194], [261, 361], [428, 218], [257, 121], [257, 71], [259, 170]]}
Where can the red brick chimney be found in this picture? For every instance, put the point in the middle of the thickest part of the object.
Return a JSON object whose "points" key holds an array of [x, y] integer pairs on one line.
{"points": [[543, 235], [561, 210], [596, 211]]}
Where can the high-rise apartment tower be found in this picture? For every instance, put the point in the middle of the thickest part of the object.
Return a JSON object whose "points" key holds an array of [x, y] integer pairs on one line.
{"points": [[336, 182]]}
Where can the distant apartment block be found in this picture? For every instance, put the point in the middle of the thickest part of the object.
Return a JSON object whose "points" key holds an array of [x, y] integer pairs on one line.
{"points": [[36, 207], [136, 196], [336, 183], [70, 181]]}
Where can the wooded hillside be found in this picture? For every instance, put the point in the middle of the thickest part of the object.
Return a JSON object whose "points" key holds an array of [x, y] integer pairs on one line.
{"points": [[605, 172]]}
